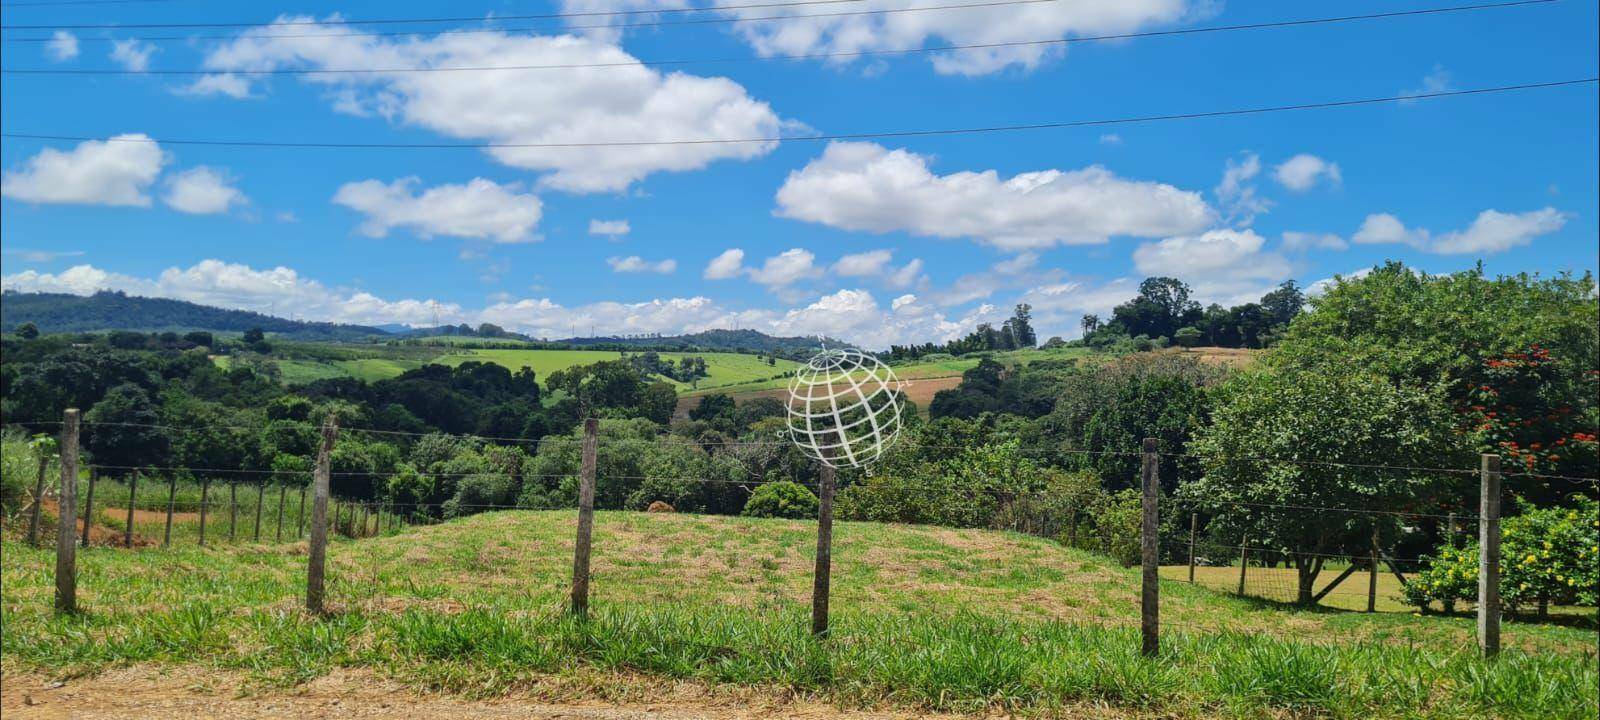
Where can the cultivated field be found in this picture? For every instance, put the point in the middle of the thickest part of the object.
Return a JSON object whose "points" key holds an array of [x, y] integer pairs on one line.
{"points": [[724, 368], [925, 619], [381, 363]]}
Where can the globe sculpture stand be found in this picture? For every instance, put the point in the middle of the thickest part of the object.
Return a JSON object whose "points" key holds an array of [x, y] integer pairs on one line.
{"points": [[844, 408], [844, 411]]}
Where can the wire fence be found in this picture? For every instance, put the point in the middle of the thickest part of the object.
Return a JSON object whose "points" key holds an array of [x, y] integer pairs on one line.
{"points": [[166, 505]]}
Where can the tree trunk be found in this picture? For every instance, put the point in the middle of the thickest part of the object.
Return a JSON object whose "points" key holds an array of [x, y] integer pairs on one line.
{"points": [[1306, 571]]}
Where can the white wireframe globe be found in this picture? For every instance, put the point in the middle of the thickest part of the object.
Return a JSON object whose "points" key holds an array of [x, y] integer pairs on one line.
{"points": [[844, 408]]}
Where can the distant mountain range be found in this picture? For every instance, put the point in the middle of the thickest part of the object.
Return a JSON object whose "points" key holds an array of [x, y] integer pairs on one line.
{"points": [[55, 312]]}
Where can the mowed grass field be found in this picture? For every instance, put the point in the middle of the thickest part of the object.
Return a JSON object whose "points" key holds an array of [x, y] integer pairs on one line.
{"points": [[724, 368], [924, 619]]}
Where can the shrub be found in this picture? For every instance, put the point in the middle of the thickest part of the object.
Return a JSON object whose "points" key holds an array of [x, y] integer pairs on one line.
{"points": [[781, 499], [1547, 556]]}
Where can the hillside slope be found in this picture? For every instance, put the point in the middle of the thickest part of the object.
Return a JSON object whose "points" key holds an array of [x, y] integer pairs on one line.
{"points": [[923, 617]]}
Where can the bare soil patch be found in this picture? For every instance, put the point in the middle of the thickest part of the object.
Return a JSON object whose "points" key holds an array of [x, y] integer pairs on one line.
{"points": [[188, 692]]}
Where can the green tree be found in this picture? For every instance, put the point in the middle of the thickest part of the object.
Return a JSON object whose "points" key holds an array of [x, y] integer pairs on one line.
{"points": [[28, 331], [124, 431], [1282, 441], [1187, 336]]}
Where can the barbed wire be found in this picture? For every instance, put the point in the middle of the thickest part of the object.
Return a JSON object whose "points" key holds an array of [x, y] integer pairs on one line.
{"points": [[688, 442]]}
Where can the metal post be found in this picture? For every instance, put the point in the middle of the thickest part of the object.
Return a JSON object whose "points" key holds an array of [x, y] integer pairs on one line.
{"points": [[38, 501], [300, 522], [1244, 560], [261, 497], [205, 497], [88, 504], [282, 492], [233, 509], [1489, 557], [67, 510], [133, 499], [172, 497], [1149, 553], [1372, 577], [823, 576], [580, 554], [317, 551], [1194, 525]]}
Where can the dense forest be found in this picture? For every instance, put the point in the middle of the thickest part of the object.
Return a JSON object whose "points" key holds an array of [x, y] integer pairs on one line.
{"points": [[1377, 380]]}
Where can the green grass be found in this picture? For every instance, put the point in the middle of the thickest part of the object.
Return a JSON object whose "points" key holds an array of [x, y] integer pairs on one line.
{"points": [[725, 369], [924, 618], [928, 369]]}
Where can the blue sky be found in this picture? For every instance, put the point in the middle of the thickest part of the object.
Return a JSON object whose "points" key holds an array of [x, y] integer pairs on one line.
{"points": [[875, 241]]}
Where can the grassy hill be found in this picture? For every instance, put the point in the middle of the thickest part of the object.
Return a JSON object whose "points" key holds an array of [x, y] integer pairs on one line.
{"points": [[724, 368], [925, 618]]}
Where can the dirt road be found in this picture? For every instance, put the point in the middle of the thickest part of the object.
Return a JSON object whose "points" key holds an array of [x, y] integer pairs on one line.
{"points": [[202, 694]]}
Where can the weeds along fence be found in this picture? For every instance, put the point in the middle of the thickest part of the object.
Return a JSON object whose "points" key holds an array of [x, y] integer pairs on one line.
{"points": [[1171, 538]]}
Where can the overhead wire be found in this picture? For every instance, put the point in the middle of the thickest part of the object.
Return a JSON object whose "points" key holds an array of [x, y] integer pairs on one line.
{"points": [[1168, 117], [777, 58]]}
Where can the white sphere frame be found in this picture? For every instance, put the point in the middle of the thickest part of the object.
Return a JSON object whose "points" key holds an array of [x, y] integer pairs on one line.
{"points": [[837, 444]]}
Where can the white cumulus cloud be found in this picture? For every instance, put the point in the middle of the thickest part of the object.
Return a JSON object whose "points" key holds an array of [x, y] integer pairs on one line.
{"points": [[626, 102], [1491, 232], [227, 84], [117, 171], [62, 46], [1237, 194], [1302, 171], [846, 33], [729, 264], [1223, 265], [609, 228], [132, 54], [479, 209], [1300, 241], [636, 264], [202, 191], [867, 187], [786, 268]]}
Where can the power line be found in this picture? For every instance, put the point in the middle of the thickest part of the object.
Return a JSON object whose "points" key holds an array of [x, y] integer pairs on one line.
{"points": [[698, 21], [289, 144], [421, 21], [804, 56]]}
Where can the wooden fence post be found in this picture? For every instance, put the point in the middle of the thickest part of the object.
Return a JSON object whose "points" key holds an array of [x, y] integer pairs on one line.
{"points": [[283, 491], [172, 498], [300, 522], [318, 550], [823, 576], [1372, 578], [1194, 525], [1244, 560], [38, 502], [133, 500], [1489, 557], [205, 497], [1150, 553], [261, 497], [67, 513], [580, 553], [88, 503], [233, 509]]}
